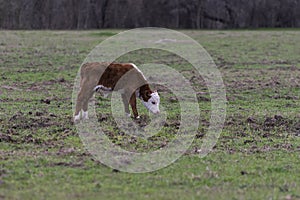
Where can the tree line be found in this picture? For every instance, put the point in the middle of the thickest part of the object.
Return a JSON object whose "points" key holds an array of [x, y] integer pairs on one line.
{"points": [[191, 14]]}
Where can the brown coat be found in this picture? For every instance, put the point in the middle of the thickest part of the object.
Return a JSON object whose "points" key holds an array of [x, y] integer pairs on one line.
{"points": [[124, 77]]}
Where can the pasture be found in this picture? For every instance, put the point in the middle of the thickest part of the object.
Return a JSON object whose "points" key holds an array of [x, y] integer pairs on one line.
{"points": [[256, 157]]}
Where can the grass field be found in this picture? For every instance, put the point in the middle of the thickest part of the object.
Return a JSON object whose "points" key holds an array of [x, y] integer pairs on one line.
{"points": [[256, 157]]}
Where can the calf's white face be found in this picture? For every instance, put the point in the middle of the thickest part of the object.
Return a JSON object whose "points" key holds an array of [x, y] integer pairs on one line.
{"points": [[153, 103]]}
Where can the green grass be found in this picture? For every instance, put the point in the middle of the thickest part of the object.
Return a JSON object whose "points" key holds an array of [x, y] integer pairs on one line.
{"points": [[256, 156]]}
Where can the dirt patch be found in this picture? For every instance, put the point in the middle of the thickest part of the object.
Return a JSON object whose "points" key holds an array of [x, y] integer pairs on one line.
{"points": [[67, 164], [38, 86], [276, 126], [6, 138], [37, 127], [275, 122], [250, 79], [7, 87], [30, 120], [286, 97], [268, 148]]}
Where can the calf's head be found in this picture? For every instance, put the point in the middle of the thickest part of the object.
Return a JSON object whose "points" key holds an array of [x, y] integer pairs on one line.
{"points": [[151, 102]]}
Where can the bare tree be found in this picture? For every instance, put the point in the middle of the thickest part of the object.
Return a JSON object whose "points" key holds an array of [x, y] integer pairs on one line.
{"points": [[87, 14]]}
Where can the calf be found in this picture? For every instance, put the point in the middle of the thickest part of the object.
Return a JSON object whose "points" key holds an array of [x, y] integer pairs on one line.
{"points": [[109, 77]]}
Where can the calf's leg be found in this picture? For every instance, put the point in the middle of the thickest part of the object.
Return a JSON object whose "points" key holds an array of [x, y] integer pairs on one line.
{"points": [[85, 93], [126, 105], [132, 102]]}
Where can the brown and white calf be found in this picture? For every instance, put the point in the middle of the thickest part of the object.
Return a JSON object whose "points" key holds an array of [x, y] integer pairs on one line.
{"points": [[125, 78]]}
